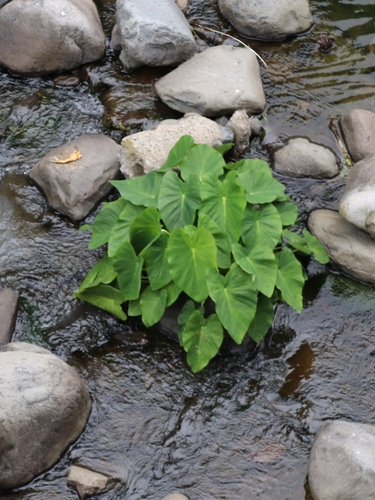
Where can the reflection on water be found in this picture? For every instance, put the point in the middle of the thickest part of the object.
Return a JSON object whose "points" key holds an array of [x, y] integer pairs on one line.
{"points": [[243, 427]]}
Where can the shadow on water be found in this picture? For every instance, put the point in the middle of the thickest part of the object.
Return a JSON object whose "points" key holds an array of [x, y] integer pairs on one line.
{"points": [[243, 427]]}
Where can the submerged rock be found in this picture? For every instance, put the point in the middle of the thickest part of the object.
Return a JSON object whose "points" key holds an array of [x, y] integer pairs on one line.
{"points": [[153, 32], [342, 462], [351, 249], [216, 82], [358, 128], [8, 313], [146, 151], [302, 158], [74, 177], [175, 496], [358, 203], [44, 407], [267, 19], [38, 38], [87, 482]]}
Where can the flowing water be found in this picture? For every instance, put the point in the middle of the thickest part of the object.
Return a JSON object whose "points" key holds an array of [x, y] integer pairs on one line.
{"points": [[244, 426]]}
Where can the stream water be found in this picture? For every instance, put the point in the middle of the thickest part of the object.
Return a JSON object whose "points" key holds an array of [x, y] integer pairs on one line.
{"points": [[243, 428]]}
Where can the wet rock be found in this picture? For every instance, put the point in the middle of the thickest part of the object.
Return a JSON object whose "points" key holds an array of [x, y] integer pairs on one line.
{"points": [[350, 248], [22, 111], [153, 32], [8, 313], [302, 158], [175, 496], [358, 128], [87, 482], [183, 4], [44, 407], [37, 38], [240, 125], [218, 81], [75, 186], [67, 81], [266, 19], [256, 126], [116, 38], [358, 203], [342, 462], [147, 151]]}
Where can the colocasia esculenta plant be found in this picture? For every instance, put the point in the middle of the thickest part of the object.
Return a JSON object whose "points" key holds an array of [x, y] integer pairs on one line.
{"points": [[200, 229]]}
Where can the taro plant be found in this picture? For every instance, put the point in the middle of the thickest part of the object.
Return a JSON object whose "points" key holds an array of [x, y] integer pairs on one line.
{"points": [[206, 231]]}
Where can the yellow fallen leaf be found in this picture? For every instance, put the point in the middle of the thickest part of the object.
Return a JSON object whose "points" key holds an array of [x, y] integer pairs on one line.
{"points": [[68, 159]]}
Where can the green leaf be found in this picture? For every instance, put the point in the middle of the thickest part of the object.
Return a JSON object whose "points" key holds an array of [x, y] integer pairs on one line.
{"points": [[129, 268], [235, 298], [202, 160], [178, 200], [156, 263], [104, 222], [173, 292], [142, 190], [297, 242], [145, 229], [222, 242], [85, 227], [258, 260], [288, 212], [201, 339], [178, 151], [290, 278], [106, 297], [261, 226], [102, 272], [253, 165], [263, 319], [134, 307], [120, 231], [316, 247], [260, 187], [190, 253], [153, 305], [184, 316], [223, 148], [225, 203]]}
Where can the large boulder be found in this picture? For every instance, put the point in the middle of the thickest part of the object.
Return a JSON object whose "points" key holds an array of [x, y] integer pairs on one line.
{"points": [[153, 32], [8, 312], [44, 407], [350, 248], [38, 38], [302, 158], [358, 128], [267, 19], [342, 462], [146, 151], [216, 82], [358, 203], [74, 177]]}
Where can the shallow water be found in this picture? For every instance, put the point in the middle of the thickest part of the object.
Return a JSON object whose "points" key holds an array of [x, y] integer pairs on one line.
{"points": [[243, 427]]}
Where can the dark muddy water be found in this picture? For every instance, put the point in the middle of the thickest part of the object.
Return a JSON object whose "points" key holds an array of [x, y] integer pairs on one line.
{"points": [[243, 427]]}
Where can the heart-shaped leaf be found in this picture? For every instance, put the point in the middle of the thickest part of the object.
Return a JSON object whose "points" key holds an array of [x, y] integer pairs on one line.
{"points": [[261, 226], [102, 272], [106, 297], [157, 264], [288, 212], [222, 241], [142, 190], [263, 319], [145, 229], [129, 268], [120, 231], [104, 222], [290, 278], [260, 187], [153, 305], [178, 151], [202, 160]]}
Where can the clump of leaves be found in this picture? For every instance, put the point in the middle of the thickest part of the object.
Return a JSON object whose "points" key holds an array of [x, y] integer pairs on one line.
{"points": [[210, 230]]}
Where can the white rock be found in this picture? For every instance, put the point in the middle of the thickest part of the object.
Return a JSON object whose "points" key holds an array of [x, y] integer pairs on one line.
{"points": [[218, 81], [358, 128], [175, 496], [87, 482], [147, 151]]}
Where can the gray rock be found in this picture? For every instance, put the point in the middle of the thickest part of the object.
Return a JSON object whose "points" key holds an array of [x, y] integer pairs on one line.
{"points": [[342, 462], [44, 407], [3, 2], [358, 203], [216, 82], [8, 313], [240, 124], [350, 248], [37, 38], [75, 187], [302, 158], [147, 151], [358, 128], [267, 19], [153, 32], [256, 126], [116, 38]]}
